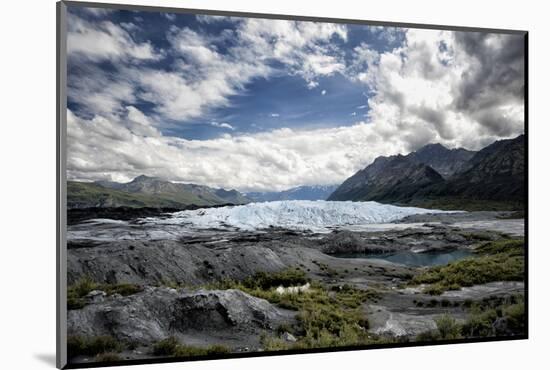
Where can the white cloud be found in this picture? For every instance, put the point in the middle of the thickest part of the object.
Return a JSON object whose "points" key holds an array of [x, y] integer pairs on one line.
{"points": [[222, 125], [97, 12], [215, 18], [413, 91], [103, 148], [312, 84], [170, 16], [416, 87], [103, 40], [201, 78], [274, 114]]}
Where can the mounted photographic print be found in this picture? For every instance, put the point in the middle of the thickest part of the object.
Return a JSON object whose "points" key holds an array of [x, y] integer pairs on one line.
{"points": [[234, 184]]}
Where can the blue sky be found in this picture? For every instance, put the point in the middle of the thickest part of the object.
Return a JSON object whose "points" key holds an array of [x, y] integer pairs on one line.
{"points": [[281, 99], [259, 104]]}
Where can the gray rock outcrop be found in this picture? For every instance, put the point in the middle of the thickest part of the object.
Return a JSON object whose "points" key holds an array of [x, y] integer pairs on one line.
{"points": [[158, 313]]}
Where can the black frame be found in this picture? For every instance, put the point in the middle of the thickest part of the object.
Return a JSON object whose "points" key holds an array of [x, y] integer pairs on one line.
{"points": [[61, 216]]}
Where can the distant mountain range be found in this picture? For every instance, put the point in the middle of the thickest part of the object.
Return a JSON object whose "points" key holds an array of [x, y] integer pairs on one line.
{"points": [[144, 191], [435, 174], [315, 192], [432, 176]]}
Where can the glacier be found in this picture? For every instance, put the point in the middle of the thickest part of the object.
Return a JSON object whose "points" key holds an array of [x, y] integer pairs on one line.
{"points": [[292, 214]]}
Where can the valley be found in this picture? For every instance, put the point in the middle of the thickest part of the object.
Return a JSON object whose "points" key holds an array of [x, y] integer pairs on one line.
{"points": [[422, 247]]}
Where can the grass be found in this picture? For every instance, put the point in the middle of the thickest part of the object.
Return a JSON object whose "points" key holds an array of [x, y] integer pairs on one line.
{"points": [[92, 346], [171, 347], [481, 322], [501, 260], [77, 292], [326, 317]]}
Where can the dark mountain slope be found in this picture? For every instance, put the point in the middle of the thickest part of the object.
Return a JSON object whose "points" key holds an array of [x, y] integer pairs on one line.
{"points": [[395, 178], [497, 172], [494, 176], [445, 161]]}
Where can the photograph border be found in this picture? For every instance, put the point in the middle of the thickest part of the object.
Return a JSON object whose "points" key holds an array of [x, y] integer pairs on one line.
{"points": [[61, 186]]}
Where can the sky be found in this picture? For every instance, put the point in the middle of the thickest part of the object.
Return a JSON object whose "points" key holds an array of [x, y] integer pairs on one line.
{"points": [[265, 105]]}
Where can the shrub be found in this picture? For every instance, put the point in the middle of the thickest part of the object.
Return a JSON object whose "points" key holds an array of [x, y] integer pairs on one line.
{"points": [[428, 336], [325, 318], [496, 261], [482, 319], [77, 292], [286, 278], [515, 314], [91, 346], [447, 327], [480, 324], [108, 357], [172, 347], [166, 347]]}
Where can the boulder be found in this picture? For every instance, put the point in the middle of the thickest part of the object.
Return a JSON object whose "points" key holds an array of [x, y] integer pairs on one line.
{"points": [[157, 313]]}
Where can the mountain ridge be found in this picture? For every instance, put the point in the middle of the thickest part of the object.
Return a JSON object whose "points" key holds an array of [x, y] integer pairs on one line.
{"points": [[304, 192], [145, 191], [495, 173]]}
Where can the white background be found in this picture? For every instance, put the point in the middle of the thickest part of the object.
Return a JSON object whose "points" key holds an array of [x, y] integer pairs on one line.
{"points": [[27, 206]]}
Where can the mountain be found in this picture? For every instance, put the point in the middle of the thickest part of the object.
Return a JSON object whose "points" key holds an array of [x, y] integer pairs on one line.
{"points": [[392, 178], [144, 191], [496, 173], [315, 192], [445, 161]]}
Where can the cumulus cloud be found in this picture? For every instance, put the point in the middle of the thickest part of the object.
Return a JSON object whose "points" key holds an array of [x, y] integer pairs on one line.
{"points": [[456, 88], [104, 40], [102, 148], [460, 89], [201, 77]]}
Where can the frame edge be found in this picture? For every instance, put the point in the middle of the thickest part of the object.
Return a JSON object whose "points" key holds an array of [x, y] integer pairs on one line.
{"points": [[61, 184]]}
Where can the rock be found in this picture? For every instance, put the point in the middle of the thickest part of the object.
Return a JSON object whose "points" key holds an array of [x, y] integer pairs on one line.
{"points": [[96, 296], [158, 313], [343, 241], [288, 337]]}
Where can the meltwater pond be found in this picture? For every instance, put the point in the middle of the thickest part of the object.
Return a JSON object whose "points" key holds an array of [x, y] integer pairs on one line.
{"points": [[413, 259]]}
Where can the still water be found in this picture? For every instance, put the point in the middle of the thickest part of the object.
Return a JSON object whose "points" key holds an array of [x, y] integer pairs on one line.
{"points": [[413, 259]]}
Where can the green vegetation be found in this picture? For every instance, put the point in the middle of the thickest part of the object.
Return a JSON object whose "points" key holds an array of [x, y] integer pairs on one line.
{"points": [[91, 346], [482, 322], [326, 317], [108, 357], [171, 347], [81, 194], [326, 269], [501, 260], [286, 278], [76, 293], [447, 327]]}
